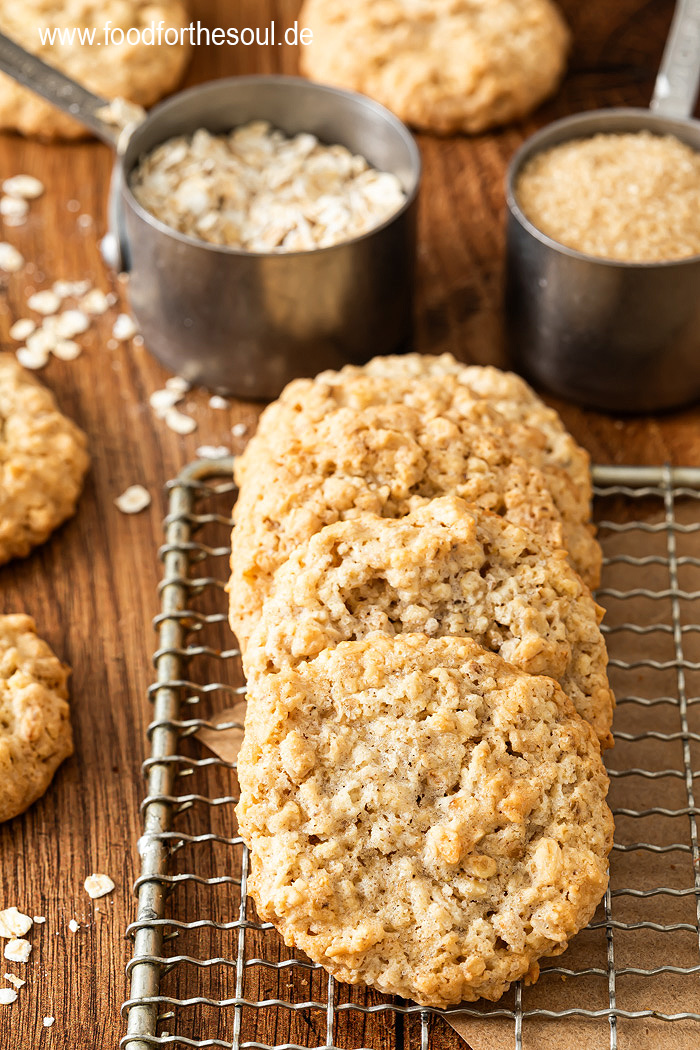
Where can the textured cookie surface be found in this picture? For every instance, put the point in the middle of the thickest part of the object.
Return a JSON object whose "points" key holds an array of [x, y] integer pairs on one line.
{"points": [[35, 732], [43, 460], [433, 386], [445, 66], [138, 72], [390, 459], [422, 817], [448, 568]]}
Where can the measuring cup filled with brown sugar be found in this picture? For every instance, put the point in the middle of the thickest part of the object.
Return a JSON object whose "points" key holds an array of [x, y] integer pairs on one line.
{"points": [[603, 245]]}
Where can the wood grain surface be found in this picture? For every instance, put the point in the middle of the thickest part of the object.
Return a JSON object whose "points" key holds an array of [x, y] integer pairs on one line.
{"points": [[92, 588]]}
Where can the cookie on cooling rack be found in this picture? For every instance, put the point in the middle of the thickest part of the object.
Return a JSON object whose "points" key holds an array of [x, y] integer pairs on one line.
{"points": [[389, 459], [35, 732], [43, 460], [449, 568], [445, 66], [422, 817]]}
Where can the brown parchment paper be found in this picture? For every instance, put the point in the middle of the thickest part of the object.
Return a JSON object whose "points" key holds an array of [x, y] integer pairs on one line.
{"points": [[642, 871]]}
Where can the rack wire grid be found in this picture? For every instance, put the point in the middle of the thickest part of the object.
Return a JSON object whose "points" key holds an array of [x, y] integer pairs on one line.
{"points": [[206, 972]]}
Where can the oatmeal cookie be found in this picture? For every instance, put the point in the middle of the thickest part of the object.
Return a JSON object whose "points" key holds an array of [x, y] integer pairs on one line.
{"points": [[444, 66], [449, 568], [388, 459], [435, 386], [43, 460], [422, 817], [138, 72], [35, 732]]}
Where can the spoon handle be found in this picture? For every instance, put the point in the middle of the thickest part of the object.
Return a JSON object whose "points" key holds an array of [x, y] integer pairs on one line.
{"points": [[56, 88], [676, 88]]}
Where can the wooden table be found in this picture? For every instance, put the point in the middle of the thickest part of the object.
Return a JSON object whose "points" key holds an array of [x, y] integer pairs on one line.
{"points": [[92, 588]]}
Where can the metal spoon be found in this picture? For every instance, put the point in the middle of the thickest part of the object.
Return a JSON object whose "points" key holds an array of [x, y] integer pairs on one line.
{"points": [[613, 335]]}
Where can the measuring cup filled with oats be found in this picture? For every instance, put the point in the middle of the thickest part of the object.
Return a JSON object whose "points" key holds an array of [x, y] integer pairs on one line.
{"points": [[268, 224], [603, 245], [271, 226]]}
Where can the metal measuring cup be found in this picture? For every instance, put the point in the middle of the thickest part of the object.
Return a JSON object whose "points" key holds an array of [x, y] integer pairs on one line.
{"points": [[240, 322], [613, 335]]}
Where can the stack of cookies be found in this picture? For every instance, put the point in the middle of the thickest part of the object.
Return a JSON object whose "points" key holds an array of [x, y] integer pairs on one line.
{"points": [[422, 789]]}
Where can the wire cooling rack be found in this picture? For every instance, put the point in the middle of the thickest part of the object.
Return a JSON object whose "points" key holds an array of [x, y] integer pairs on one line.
{"points": [[206, 972]]}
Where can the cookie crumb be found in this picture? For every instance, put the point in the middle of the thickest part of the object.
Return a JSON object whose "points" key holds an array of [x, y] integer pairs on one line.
{"points": [[73, 926], [48, 1022], [98, 885], [14, 923], [239, 430], [39, 919], [7, 996], [67, 350], [216, 401], [17, 950]]}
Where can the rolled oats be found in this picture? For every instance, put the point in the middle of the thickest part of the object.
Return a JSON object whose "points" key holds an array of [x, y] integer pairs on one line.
{"points": [[10, 259], [258, 190], [7, 996], [22, 329], [98, 885], [24, 186], [135, 499]]}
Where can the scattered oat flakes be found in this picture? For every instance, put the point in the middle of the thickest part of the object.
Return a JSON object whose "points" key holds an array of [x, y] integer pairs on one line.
{"points": [[98, 885], [10, 259], [239, 430], [14, 923], [213, 451], [178, 383], [216, 401], [73, 926], [39, 919], [46, 302], [162, 400], [7, 996], [95, 303], [67, 350], [179, 422], [32, 359], [71, 289], [13, 208], [22, 329], [124, 328], [18, 950], [15, 980], [135, 499], [72, 322], [25, 186], [48, 1022], [257, 190], [120, 113]]}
